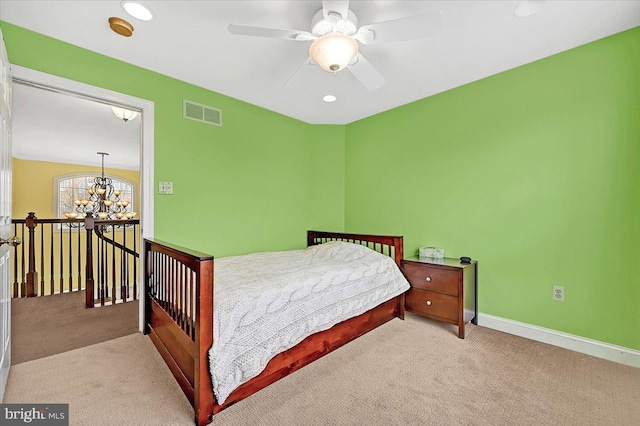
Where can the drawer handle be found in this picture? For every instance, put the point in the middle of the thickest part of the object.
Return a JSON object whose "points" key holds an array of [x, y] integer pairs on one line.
{"points": [[429, 302], [428, 279]]}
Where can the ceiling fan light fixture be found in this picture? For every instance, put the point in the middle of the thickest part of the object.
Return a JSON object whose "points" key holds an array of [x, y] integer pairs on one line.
{"points": [[137, 10], [333, 51], [528, 8], [124, 114]]}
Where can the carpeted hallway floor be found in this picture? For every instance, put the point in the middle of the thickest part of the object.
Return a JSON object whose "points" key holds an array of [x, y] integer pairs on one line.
{"points": [[49, 325], [415, 372]]}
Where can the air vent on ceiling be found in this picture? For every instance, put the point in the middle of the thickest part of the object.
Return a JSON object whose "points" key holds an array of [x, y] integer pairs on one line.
{"points": [[202, 113]]}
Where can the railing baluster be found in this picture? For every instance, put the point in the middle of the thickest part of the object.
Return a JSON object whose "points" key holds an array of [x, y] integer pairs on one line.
{"points": [[103, 278], [113, 269], [70, 261], [105, 260], [51, 262], [125, 278], [42, 260], [79, 228], [123, 291], [89, 286], [97, 266], [15, 263], [135, 263], [23, 283], [61, 261], [103, 263], [99, 269]]}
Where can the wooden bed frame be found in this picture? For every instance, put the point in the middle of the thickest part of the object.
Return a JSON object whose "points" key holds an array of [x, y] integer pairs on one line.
{"points": [[183, 334]]}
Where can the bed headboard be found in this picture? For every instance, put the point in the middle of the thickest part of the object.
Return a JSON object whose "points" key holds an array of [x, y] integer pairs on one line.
{"points": [[385, 244]]}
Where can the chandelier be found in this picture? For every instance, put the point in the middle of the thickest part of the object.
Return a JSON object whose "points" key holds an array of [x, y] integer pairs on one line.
{"points": [[102, 201]]}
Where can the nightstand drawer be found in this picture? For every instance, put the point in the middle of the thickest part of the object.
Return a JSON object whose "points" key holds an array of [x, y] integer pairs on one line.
{"points": [[432, 304], [431, 278]]}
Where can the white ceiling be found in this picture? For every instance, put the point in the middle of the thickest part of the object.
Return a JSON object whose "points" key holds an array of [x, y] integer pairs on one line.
{"points": [[55, 127], [189, 40]]}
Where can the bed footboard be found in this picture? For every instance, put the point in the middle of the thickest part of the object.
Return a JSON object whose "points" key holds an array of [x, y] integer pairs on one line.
{"points": [[179, 317]]}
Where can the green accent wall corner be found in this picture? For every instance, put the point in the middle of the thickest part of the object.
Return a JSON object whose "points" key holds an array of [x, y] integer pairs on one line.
{"points": [[534, 172]]}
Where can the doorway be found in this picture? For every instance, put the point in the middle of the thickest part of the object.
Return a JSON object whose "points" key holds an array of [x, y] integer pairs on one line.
{"points": [[70, 154]]}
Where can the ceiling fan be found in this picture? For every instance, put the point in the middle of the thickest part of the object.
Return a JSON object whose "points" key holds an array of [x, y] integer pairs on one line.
{"points": [[335, 36]]}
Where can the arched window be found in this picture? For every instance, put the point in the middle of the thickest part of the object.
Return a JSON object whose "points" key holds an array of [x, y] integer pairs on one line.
{"points": [[71, 187]]}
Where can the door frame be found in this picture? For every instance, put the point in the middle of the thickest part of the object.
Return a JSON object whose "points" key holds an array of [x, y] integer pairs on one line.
{"points": [[82, 90]]}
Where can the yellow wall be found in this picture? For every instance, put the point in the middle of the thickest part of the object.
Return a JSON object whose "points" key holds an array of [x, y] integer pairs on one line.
{"points": [[33, 185]]}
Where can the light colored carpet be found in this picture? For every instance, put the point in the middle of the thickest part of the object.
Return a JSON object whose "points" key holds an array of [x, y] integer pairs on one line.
{"points": [[48, 325], [412, 372]]}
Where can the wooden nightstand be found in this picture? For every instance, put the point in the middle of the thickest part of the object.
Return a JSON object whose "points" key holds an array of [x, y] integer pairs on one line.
{"points": [[442, 289]]}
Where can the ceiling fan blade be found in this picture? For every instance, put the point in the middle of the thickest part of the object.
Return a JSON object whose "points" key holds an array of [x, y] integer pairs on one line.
{"points": [[339, 6], [296, 75], [366, 73], [270, 32], [410, 28]]}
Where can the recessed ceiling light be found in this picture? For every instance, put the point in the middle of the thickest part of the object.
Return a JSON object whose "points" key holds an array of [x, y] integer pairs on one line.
{"points": [[528, 8], [329, 98], [137, 10]]}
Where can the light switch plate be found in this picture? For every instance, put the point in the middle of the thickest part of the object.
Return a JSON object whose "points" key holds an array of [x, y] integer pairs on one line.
{"points": [[165, 188]]}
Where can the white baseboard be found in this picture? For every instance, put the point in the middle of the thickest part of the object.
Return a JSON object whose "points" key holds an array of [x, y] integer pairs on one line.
{"points": [[572, 342]]}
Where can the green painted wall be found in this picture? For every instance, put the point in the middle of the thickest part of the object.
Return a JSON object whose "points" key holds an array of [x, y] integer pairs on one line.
{"points": [[535, 172], [255, 184]]}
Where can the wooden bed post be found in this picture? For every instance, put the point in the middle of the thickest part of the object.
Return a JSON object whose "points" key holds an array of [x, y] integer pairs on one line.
{"points": [[398, 243], [203, 390]]}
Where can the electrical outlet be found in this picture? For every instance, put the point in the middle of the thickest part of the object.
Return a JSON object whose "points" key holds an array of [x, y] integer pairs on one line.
{"points": [[165, 188], [558, 293]]}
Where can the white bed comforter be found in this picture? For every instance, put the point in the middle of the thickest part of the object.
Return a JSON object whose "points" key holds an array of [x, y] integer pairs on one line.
{"points": [[266, 303]]}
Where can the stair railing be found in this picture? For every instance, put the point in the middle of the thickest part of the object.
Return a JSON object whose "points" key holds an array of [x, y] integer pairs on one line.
{"points": [[55, 258]]}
